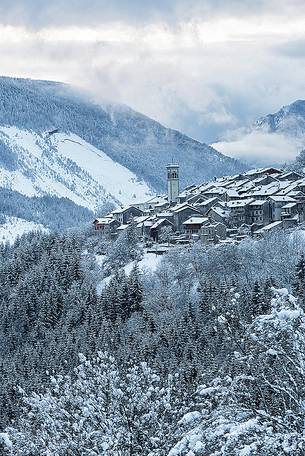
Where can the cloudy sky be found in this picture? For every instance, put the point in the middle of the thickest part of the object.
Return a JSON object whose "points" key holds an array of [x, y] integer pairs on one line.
{"points": [[203, 67]]}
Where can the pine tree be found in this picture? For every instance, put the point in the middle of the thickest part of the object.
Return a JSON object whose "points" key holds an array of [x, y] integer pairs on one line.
{"points": [[257, 300], [299, 282], [135, 290]]}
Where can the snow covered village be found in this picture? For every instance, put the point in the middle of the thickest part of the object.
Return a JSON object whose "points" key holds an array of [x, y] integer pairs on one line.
{"points": [[152, 228], [225, 210]]}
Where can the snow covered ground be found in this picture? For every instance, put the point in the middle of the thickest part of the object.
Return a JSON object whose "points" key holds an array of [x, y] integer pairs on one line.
{"points": [[15, 227], [149, 262], [65, 165], [115, 178]]}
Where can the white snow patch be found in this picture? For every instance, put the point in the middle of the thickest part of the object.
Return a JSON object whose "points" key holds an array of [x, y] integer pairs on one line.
{"points": [[149, 263], [287, 314], [4, 438], [100, 259], [115, 178], [15, 227], [189, 418]]}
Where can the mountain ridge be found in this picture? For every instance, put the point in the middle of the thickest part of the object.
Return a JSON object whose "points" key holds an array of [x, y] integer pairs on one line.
{"points": [[273, 139], [130, 138], [290, 120]]}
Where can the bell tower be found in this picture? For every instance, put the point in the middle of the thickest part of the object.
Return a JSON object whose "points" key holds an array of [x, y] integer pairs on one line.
{"points": [[172, 183]]}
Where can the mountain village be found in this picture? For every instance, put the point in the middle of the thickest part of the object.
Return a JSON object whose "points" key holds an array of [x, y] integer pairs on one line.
{"points": [[225, 210]]}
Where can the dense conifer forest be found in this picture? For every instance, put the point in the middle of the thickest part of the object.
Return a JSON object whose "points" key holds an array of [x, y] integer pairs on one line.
{"points": [[204, 356]]}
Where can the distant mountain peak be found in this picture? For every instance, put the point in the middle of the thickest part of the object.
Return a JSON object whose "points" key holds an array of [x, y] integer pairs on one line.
{"points": [[289, 120]]}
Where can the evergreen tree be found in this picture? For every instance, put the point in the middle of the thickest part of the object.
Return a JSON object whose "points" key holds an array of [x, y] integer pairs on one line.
{"points": [[135, 290], [299, 282]]}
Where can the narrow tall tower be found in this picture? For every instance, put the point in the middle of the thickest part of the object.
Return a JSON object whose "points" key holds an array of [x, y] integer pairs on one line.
{"points": [[172, 182]]}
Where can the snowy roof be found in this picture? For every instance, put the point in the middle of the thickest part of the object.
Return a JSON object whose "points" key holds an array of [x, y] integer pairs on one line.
{"points": [[161, 203], [204, 187], [288, 189], [262, 178], [295, 193], [217, 190], [258, 203], [123, 227], [261, 170], [221, 211], [196, 221], [232, 192], [287, 199], [141, 218], [182, 207], [121, 210], [265, 190], [238, 203], [104, 220], [271, 225], [160, 222], [289, 205], [185, 192], [164, 214], [208, 201], [290, 173]]}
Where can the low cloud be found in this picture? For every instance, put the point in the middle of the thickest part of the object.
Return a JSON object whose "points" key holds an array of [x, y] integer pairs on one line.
{"points": [[203, 67], [260, 148]]}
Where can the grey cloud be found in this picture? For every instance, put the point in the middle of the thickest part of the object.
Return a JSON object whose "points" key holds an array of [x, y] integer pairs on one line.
{"points": [[42, 13], [294, 49], [202, 90]]}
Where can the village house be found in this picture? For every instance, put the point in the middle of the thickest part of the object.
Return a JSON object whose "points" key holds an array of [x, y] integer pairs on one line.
{"points": [[166, 215], [149, 206], [126, 214], [206, 205], [239, 211], [290, 176], [259, 212], [194, 224], [274, 226], [276, 204], [213, 232], [290, 210], [181, 213], [255, 173], [264, 180], [141, 225], [106, 225], [219, 214], [157, 228]]}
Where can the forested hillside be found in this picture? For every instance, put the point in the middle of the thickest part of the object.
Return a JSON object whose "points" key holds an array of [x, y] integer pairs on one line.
{"points": [[138, 143], [203, 356], [50, 211]]}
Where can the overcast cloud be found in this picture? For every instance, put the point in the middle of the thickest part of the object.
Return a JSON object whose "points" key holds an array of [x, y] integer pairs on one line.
{"points": [[203, 67]]}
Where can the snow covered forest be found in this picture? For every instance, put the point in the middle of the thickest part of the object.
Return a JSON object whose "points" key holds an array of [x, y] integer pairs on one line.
{"points": [[202, 355]]}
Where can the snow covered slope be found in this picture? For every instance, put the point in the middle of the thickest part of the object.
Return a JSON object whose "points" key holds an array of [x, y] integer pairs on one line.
{"points": [[14, 227], [65, 165], [131, 139]]}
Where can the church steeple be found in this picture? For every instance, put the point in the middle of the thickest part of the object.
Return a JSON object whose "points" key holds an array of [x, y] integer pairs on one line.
{"points": [[172, 182]]}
